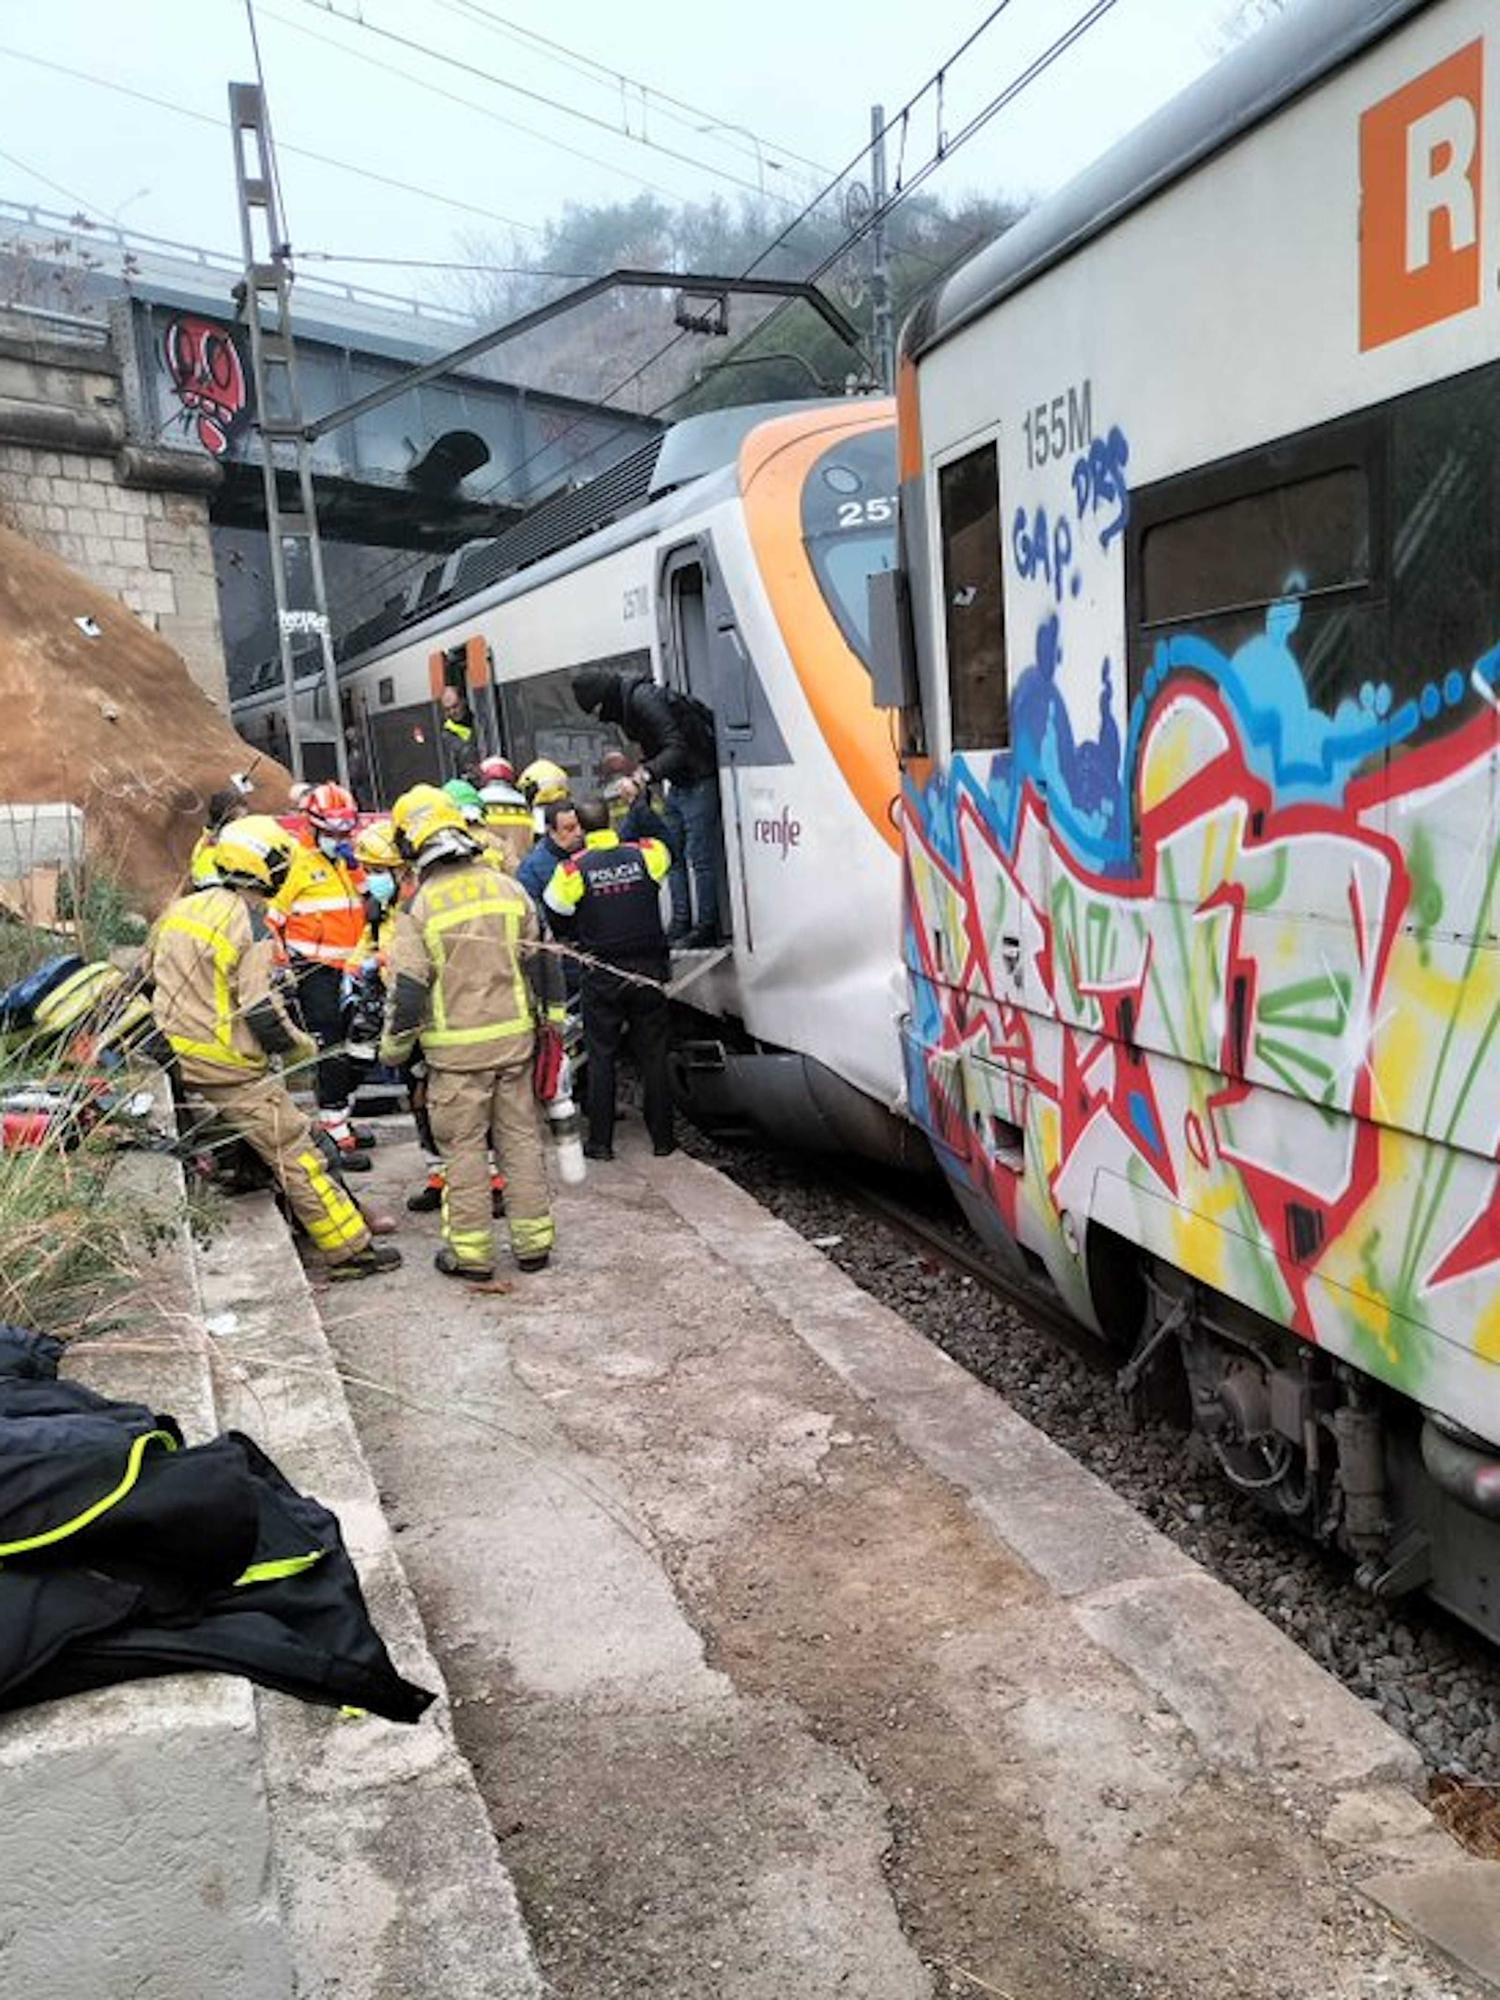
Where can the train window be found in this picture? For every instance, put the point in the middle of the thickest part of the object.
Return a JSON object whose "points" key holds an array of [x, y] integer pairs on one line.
{"points": [[542, 719], [1445, 527], [974, 613], [1293, 540]]}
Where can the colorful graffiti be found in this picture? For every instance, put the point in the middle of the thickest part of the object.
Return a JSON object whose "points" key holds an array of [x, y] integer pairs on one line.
{"points": [[208, 380], [1226, 981]]}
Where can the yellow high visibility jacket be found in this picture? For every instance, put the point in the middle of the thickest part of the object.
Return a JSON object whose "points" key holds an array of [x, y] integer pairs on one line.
{"points": [[464, 971], [321, 907], [507, 831], [214, 962]]}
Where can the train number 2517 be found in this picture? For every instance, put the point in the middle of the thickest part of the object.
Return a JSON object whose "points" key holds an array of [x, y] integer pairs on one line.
{"points": [[1061, 428]]}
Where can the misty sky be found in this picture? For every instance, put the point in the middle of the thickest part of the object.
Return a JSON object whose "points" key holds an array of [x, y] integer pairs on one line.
{"points": [[801, 76]]}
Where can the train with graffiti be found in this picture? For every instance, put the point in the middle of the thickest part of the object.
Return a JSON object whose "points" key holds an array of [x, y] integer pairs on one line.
{"points": [[1197, 685], [729, 558]]}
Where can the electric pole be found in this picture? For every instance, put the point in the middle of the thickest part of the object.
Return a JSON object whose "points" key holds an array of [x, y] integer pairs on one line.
{"points": [[883, 334], [278, 411]]}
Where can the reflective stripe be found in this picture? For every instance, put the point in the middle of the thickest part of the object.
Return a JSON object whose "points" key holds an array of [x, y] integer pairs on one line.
{"points": [[343, 1222], [280, 1566], [469, 1246], [334, 954], [531, 1234], [132, 1474], [226, 956]]}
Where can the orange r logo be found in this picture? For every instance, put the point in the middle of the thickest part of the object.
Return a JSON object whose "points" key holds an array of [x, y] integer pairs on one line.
{"points": [[1420, 164]]}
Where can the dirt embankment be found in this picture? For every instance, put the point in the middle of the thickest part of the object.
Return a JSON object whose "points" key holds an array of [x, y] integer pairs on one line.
{"points": [[112, 723]]}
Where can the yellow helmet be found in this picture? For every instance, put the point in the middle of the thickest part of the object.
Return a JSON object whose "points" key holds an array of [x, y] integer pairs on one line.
{"points": [[543, 781], [254, 853], [418, 818], [375, 846]]}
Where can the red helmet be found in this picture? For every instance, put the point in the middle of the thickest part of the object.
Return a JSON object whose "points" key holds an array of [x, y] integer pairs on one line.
{"points": [[331, 809], [497, 771]]}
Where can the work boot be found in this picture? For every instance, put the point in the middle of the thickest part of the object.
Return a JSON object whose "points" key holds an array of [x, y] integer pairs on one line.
{"points": [[537, 1263], [476, 1274], [428, 1198], [374, 1261], [341, 1162], [593, 1152]]}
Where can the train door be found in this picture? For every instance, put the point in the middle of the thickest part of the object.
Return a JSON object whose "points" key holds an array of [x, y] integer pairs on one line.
{"points": [[703, 656], [468, 728]]}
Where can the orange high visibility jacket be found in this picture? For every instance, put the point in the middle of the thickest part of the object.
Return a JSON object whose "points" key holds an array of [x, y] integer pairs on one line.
{"points": [[321, 908]]}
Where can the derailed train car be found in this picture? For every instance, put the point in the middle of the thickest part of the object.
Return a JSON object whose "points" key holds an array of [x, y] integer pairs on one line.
{"points": [[1200, 515], [730, 559]]}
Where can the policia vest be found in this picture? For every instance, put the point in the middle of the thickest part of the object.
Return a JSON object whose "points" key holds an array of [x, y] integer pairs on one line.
{"points": [[610, 892]]}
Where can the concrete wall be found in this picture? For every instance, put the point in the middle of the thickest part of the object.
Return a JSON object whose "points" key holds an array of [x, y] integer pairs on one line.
{"points": [[133, 521]]}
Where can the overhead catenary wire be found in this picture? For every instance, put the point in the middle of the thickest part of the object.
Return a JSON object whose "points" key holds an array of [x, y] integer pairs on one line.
{"points": [[403, 565], [650, 94], [68, 194], [220, 125], [557, 104]]}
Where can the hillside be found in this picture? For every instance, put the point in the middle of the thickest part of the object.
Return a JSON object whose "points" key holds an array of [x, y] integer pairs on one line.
{"points": [[113, 724]]}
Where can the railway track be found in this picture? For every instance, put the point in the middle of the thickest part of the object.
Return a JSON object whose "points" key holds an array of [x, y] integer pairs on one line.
{"points": [[1427, 1675]]}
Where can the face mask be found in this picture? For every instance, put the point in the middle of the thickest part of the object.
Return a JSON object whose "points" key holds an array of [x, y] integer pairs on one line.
{"points": [[381, 886], [331, 845]]}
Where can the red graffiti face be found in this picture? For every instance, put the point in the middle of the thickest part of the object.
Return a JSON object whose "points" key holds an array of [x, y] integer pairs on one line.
{"points": [[207, 378]]}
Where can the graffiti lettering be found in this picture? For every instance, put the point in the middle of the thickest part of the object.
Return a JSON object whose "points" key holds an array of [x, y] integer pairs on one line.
{"points": [[1099, 483], [1045, 549]]}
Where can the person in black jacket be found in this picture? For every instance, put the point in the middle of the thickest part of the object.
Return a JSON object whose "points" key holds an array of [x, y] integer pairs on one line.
{"points": [[605, 899], [676, 738]]}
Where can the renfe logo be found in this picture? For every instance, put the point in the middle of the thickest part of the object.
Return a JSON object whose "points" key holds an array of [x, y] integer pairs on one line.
{"points": [[1420, 166], [783, 832]]}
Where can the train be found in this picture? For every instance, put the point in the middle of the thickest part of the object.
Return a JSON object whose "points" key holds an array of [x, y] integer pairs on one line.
{"points": [[730, 558], [1109, 745], [1193, 651]]}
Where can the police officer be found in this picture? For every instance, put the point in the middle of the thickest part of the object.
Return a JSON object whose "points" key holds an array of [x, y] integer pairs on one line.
{"points": [[213, 961], [607, 901], [465, 976]]}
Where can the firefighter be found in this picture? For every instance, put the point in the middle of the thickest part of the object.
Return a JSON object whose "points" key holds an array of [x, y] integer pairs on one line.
{"points": [[222, 808], [467, 979], [322, 913], [213, 960], [541, 782], [507, 817]]}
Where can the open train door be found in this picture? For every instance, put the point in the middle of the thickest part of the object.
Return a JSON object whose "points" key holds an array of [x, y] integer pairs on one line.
{"points": [[703, 655]]}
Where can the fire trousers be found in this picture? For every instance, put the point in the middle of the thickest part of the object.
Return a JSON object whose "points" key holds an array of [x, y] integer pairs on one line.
{"points": [[469, 1109], [265, 1117]]}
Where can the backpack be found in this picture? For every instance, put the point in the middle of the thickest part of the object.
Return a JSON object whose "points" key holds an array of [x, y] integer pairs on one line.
{"points": [[696, 719]]}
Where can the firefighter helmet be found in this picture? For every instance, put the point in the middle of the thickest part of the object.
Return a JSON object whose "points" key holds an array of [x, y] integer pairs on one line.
{"points": [[466, 797], [426, 825], [331, 809], [543, 781], [375, 846], [496, 771], [254, 853]]}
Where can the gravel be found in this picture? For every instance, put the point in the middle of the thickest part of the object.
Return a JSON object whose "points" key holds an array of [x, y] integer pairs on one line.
{"points": [[1431, 1679]]}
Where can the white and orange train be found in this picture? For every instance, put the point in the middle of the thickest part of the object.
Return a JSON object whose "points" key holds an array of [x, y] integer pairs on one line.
{"points": [[735, 566]]}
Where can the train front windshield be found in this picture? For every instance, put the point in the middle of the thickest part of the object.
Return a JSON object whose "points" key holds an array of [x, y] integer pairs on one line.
{"points": [[849, 527]]}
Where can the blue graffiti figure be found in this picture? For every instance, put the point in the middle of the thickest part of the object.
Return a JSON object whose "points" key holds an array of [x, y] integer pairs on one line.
{"points": [[1082, 780], [1099, 482], [1304, 751]]}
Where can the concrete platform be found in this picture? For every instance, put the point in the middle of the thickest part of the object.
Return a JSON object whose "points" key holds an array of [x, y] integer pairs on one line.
{"points": [[790, 1661]]}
